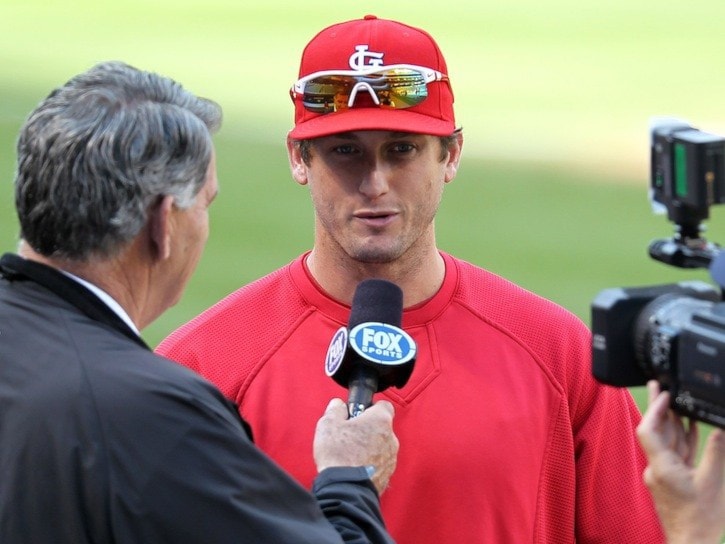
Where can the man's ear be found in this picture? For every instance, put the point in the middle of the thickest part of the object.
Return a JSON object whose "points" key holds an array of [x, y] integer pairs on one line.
{"points": [[297, 165], [161, 228], [454, 157]]}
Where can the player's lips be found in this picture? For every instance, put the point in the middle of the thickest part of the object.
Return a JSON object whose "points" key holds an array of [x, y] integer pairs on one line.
{"points": [[377, 218]]}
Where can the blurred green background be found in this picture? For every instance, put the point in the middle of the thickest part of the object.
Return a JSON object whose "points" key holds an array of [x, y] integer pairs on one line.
{"points": [[555, 99]]}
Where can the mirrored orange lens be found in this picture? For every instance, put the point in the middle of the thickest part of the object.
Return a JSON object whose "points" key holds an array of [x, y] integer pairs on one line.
{"points": [[397, 88]]}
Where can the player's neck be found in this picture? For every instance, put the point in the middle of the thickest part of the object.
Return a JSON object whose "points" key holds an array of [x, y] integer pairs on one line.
{"points": [[420, 276]]}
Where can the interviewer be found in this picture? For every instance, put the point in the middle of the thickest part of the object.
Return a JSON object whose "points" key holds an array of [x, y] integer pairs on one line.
{"points": [[100, 439]]}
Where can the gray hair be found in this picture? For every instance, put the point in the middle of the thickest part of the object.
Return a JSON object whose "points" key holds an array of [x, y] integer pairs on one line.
{"points": [[103, 148]]}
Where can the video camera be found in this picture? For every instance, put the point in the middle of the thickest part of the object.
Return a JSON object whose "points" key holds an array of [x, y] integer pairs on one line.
{"points": [[674, 333]]}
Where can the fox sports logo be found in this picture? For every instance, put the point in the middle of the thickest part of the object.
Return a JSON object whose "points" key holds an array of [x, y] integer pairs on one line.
{"points": [[382, 343], [375, 342]]}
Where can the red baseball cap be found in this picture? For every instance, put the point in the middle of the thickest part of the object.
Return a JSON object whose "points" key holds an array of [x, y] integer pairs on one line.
{"points": [[371, 42]]}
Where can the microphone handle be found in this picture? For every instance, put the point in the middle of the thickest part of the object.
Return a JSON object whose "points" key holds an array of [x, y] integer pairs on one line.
{"points": [[362, 385]]}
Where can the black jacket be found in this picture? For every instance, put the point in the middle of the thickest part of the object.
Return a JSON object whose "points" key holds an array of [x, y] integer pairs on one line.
{"points": [[103, 441]]}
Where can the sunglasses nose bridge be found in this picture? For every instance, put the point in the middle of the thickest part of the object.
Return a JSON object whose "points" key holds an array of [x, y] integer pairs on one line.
{"points": [[362, 85]]}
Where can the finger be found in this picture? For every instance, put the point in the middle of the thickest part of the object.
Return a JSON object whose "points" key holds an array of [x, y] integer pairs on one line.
{"points": [[661, 406], [676, 435], [336, 408], [712, 464], [656, 430], [657, 411], [386, 406], [689, 442], [653, 389], [717, 437]]}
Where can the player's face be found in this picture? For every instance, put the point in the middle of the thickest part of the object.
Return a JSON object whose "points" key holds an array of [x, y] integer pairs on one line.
{"points": [[376, 193]]}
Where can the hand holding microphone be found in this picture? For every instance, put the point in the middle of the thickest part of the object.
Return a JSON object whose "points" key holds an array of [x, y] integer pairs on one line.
{"points": [[372, 352], [366, 441]]}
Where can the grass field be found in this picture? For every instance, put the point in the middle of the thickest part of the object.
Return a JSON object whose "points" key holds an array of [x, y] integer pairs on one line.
{"points": [[554, 98]]}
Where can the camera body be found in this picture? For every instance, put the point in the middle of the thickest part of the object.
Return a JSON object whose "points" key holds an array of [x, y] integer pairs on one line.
{"points": [[674, 333]]}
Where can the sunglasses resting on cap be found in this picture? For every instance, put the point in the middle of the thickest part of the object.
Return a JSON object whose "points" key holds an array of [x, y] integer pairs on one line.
{"points": [[372, 74], [397, 86]]}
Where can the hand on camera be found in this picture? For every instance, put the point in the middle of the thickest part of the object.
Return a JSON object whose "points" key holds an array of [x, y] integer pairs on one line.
{"points": [[690, 499]]}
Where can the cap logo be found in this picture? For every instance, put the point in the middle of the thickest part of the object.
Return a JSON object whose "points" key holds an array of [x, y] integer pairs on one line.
{"points": [[362, 58]]}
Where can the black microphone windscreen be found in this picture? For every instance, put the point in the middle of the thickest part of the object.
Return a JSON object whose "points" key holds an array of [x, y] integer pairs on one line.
{"points": [[377, 300]]}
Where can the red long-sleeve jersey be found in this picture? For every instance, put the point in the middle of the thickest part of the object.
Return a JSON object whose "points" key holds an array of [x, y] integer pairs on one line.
{"points": [[505, 437]]}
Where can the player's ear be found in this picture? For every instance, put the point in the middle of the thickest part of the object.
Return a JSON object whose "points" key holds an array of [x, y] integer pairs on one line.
{"points": [[295, 154], [455, 148]]}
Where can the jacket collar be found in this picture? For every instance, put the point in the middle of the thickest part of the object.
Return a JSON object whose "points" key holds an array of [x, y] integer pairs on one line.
{"points": [[14, 268]]}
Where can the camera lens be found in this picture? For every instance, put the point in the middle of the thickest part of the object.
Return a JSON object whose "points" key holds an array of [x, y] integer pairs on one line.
{"points": [[657, 328]]}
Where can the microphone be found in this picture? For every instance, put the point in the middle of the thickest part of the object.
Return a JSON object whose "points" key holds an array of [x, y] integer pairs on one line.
{"points": [[372, 353]]}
